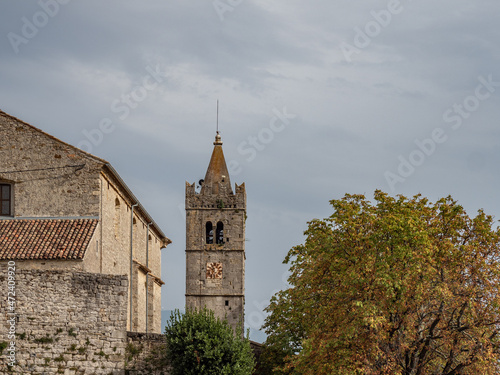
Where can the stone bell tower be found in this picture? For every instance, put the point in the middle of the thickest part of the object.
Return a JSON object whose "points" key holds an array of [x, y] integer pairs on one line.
{"points": [[215, 242]]}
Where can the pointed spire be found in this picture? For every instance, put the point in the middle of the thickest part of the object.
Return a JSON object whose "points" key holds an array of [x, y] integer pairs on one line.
{"points": [[217, 177]]}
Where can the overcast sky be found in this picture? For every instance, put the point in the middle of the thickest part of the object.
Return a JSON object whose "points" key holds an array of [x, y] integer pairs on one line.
{"points": [[317, 99]]}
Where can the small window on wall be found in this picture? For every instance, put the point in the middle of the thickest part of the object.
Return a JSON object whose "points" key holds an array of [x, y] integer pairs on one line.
{"points": [[219, 234], [5, 199], [116, 220], [209, 233]]}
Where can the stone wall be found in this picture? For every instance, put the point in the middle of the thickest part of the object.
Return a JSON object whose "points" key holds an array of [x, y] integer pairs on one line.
{"points": [[146, 354], [224, 296], [67, 323], [48, 177], [223, 293], [229, 208], [116, 222]]}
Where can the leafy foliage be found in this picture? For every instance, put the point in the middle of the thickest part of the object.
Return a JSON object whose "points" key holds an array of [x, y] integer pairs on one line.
{"points": [[400, 286], [200, 344], [3, 346]]}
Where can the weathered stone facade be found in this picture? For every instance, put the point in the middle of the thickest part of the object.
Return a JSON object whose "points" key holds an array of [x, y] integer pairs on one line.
{"points": [[114, 255], [146, 353], [67, 323], [51, 179], [215, 243], [87, 257]]}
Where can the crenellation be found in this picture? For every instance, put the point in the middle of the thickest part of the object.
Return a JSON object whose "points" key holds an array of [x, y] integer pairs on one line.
{"points": [[196, 200]]}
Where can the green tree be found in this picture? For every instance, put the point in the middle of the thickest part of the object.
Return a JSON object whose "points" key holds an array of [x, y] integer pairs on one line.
{"points": [[200, 344], [398, 286], [274, 353]]}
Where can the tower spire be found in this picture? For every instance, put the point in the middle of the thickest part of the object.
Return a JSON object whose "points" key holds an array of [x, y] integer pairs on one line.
{"points": [[217, 177]]}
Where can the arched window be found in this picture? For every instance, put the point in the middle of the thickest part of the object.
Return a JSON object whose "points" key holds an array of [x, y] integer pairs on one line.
{"points": [[209, 233], [219, 233], [117, 218]]}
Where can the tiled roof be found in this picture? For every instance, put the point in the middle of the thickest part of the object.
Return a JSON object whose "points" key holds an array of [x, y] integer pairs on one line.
{"points": [[26, 239]]}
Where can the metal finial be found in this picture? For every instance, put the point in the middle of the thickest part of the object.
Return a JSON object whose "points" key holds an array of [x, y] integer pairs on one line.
{"points": [[218, 140]]}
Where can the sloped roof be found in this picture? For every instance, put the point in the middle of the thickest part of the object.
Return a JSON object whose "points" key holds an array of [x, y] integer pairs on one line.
{"points": [[29, 239], [217, 173]]}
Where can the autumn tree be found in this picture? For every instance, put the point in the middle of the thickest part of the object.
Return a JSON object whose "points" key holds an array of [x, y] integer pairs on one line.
{"points": [[398, 286], [198, 343]]}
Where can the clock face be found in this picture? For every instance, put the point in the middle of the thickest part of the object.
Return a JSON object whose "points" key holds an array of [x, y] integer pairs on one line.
{"points": [[214, 270]]}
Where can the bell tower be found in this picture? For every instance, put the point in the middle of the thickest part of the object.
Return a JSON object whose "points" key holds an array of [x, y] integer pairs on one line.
{"points": [[215, 242]]}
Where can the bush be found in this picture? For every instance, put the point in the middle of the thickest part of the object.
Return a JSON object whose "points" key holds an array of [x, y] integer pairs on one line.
{"points": [[200, 344]]}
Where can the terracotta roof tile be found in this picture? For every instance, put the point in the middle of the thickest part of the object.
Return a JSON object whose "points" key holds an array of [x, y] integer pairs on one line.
{"points": [[24, 239]]}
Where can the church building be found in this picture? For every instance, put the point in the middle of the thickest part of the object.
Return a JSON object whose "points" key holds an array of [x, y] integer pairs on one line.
{"points": [[65, 209], [215, 242]]}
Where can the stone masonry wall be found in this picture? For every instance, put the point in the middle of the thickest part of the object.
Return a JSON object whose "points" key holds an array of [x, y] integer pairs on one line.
{"points": [[114, 239], [48, 177], [224, 293], [146, 354], [67, 322]]}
